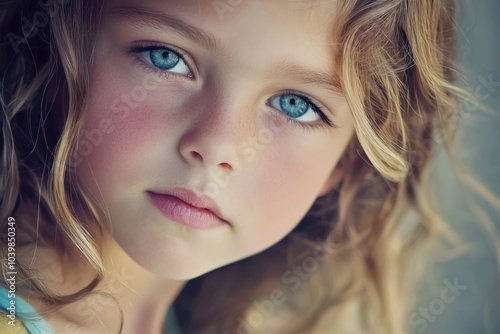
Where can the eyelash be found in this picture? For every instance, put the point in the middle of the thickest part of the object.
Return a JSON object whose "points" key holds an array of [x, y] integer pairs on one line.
{"points": [[137, 50], [317, 109]]}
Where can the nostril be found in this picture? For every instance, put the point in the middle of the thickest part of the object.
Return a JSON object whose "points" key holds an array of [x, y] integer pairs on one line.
{"points": [[197, 156], [226, 166]]}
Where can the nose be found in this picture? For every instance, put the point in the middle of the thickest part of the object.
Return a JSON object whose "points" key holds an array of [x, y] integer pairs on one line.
{"points": [[213, 138]]}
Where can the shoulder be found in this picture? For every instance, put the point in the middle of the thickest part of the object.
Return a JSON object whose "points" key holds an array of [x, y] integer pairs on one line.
{"points": [[7, 326]]}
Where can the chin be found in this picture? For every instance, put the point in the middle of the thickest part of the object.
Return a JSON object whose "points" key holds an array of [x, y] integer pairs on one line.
{"points": [[172, 259]]}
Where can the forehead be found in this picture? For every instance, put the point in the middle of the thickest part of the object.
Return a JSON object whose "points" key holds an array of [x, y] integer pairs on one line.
{"points": [[227, 10], [299, 18], [259, 31]]}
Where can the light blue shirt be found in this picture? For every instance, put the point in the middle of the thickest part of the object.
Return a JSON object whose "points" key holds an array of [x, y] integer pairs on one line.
{"points": [[33, 322]]}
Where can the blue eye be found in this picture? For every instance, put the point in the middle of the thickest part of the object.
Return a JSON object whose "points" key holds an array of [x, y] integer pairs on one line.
{"points": [[165, 59], [296, 107]]}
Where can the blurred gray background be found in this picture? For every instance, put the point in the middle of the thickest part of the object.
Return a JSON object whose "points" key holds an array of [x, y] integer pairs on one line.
{"points": [[472, 305]]}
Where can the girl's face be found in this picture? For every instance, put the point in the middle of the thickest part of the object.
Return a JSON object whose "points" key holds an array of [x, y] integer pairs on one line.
{"points": [[211, 127]]}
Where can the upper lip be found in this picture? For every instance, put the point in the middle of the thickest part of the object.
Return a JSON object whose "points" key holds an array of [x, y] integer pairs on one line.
{"points": [[192, 198]]}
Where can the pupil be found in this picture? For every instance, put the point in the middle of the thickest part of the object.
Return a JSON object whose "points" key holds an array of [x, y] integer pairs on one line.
{"points": [[165, 54], [292, 102]]}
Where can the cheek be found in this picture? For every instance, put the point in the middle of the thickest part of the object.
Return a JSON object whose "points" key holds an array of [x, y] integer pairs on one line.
{"points": [[117, 143], [286, 182], [127, 116], [122, 132]]}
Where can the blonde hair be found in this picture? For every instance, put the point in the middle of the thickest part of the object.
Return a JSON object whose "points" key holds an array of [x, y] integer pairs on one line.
{"points": [[394, 61], [37, 93]]}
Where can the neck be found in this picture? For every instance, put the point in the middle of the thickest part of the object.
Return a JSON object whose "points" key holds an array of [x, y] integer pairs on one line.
{"points": [[143, 297]]}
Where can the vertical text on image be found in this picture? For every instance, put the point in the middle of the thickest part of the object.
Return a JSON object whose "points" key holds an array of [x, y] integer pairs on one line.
{"points": [[11, 273]]}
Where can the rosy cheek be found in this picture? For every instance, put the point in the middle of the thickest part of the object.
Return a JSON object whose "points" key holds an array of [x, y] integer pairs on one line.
{"points": [[117, 129], [290, 180], [285, 185]]}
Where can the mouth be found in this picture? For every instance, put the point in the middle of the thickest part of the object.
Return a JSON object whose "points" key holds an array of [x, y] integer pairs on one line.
{"points": [[187, 208]]}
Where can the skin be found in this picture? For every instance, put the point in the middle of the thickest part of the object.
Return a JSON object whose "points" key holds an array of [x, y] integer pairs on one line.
{"points": [[214, 125]]}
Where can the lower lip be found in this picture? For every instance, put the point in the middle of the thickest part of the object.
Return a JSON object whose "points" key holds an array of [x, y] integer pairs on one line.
{"points": [[183, 213]]}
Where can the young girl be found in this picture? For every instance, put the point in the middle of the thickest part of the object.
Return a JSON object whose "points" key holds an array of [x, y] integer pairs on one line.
{"points": [[268, 152]]}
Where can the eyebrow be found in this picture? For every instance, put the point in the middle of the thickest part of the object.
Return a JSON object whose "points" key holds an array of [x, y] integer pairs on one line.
{"points": [[160, 20], [308, 75]]}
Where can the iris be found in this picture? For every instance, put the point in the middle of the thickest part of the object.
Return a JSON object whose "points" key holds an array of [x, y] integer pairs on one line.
{"points": [[163, 59], [293, 105]]}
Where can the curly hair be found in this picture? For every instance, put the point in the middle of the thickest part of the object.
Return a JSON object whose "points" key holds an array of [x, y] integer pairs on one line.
{"points": [[394, 62]]}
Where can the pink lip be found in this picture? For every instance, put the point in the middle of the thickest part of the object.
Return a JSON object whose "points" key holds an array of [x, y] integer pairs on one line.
{"points": [[187, 208]]}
